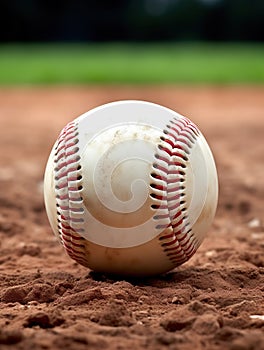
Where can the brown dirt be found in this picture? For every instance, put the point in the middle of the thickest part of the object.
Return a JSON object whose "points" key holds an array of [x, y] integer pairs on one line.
{"points": [[49, 302]]}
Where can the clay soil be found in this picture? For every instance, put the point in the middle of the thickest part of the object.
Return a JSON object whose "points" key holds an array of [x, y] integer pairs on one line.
{"points": [[215, 301]]}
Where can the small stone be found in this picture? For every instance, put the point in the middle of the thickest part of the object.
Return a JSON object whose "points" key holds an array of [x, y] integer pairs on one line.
{"points": [[14, 294], [211, 253], [206, 324], [30, 249], [41, 292], [116, 314], [200, 308], [177, 300], [258, 317], [176, 322], [254, 223], [244, 306], [44, 320], [83, 297], [143, 299]]}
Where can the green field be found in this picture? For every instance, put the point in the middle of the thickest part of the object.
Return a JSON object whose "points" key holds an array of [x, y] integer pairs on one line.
{"points": [[131, 63]]}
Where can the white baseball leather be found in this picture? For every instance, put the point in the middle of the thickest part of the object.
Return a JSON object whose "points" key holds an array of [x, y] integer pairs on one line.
{"points": [[131, 188]]}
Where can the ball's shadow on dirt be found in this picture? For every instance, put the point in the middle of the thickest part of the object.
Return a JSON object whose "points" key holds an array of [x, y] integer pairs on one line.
{"points": [[185, 275]]}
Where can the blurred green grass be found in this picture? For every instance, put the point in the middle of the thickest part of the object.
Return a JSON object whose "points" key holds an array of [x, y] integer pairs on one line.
{"points": [[131, 63]]}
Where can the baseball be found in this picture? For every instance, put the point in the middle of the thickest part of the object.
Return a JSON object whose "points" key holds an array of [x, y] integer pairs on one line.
{"points": [[131, 188]]}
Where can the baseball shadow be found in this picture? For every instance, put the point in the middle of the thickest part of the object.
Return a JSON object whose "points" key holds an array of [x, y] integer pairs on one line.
{"points": [[189, 275]]}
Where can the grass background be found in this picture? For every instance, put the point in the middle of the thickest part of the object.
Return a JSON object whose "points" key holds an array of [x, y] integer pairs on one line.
{"points": [[131, 63]]}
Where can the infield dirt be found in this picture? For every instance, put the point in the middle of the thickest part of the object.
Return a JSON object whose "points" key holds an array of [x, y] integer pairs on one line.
{"points": [[215, 301]]}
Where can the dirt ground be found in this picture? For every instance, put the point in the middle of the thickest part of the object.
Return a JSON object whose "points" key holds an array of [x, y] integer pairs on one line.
{"points": [[215, 301]]}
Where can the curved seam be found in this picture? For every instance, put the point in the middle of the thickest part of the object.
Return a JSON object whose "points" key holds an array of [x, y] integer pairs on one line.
{"points": [[68, 199], [177, 141]]}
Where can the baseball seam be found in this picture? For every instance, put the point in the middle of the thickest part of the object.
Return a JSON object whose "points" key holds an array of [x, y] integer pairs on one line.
{"points": [[168, 189], [68, 189]]}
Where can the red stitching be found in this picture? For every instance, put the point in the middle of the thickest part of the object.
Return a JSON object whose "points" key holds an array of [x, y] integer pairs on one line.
{"points": [[67, 167], [72, 219], [160, 168], [190, 250], [73, 243], [73, 178], [165, 149], [182, 123], [158, 187], [172, 181], [169, 142], [163, 159], [159, 177], [175, 197], [184, 141], [181, 239], [174, 171], [70, 136], [172, 250], [176, 130], [62, 197], [63, 207], [59, 157], [74, 254], [175, 252], [190, 137], [158, 197], [180, 135], [173, 189], [176, 215], [71, 235], [162, 216], [164, 237], [61, 186], [74, 189], [178, 257], [63, 147], [72, 152], [178, 154], [161, 206], [65, 173], [68, 162], [177, 223], [76, 210], [167, 244], [77, 200]]}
